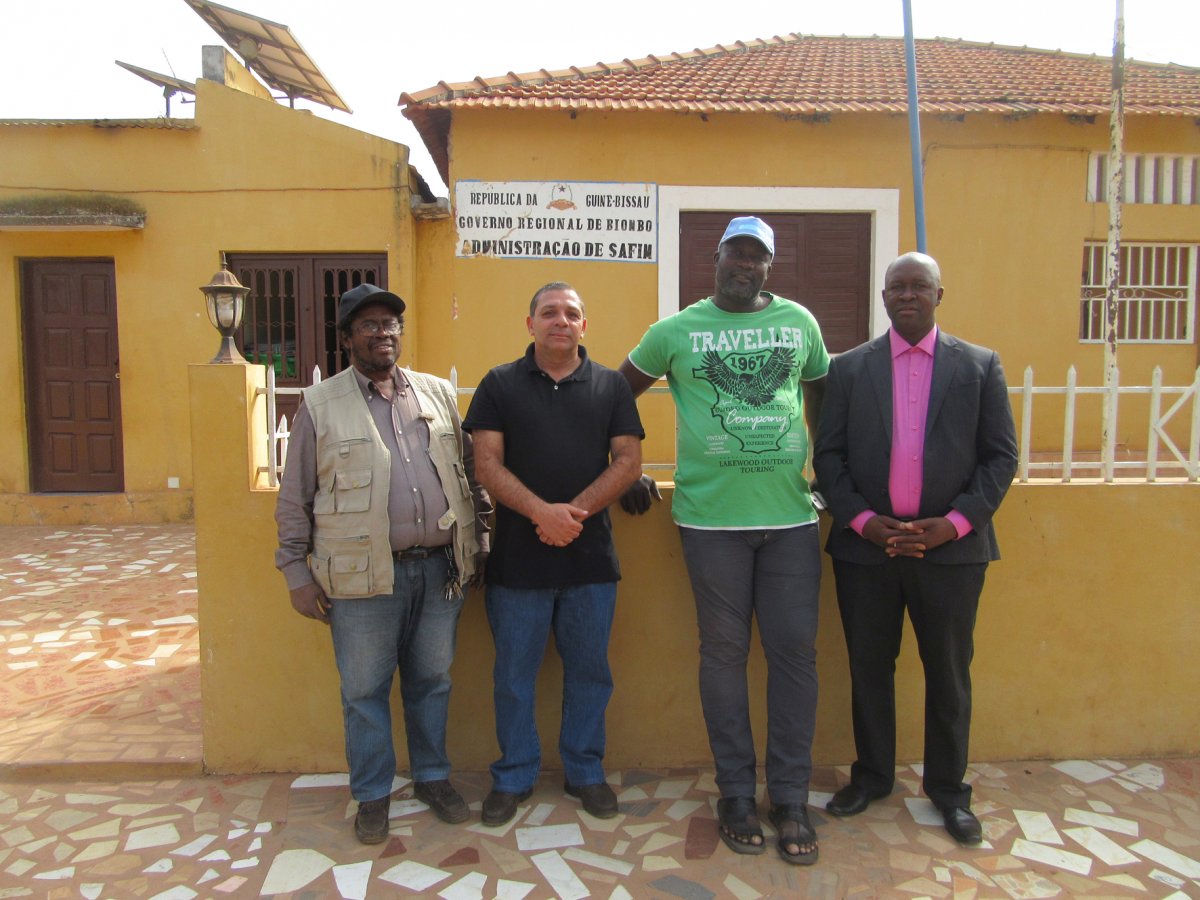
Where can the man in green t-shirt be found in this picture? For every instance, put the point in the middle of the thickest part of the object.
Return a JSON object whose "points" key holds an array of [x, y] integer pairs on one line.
{"points": [[747, 372]]}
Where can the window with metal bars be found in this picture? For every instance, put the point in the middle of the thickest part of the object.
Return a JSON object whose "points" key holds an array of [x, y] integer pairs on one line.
{"points": [[1159, 178], [1156, 295], [290, 321]]}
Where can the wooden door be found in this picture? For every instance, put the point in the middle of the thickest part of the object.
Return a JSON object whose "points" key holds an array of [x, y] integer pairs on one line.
{"points": [[73, 401], [822, 260]]}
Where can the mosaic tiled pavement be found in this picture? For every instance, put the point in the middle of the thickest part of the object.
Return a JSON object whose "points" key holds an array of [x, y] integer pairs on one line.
{"points": [[1094, 829], [1099, 828], [99, 646]]}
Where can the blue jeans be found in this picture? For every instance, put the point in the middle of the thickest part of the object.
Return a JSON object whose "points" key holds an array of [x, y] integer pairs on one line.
{"points": [[521, 619], [774, 576], [413, 629]]}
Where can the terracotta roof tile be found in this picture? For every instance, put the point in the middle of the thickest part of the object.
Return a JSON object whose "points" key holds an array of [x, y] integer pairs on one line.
{"points": [[810, 75]]}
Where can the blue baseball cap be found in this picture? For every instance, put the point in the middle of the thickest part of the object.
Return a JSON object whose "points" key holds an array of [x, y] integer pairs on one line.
{"points": [[753, 227]]}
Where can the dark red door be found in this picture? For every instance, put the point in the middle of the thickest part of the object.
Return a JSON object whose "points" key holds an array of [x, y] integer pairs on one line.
{"points": [[73, 401], [822, 260]]}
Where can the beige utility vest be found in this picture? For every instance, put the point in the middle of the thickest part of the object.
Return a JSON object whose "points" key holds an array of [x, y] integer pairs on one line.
{"points": [[351, 553]]}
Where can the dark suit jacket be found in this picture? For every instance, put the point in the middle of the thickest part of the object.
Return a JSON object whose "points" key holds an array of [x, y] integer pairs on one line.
{"points": [[970, 446]]}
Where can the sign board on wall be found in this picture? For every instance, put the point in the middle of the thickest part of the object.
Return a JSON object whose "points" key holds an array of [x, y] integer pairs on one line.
{"points": [[592, 220]]}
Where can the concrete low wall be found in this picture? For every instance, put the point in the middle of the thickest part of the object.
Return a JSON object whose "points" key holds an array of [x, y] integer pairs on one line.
{"points": [[129, 508], [1085, 644]]}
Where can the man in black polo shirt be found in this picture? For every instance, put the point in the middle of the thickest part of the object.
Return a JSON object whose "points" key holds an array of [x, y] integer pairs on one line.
{"points": [[557, 439]]}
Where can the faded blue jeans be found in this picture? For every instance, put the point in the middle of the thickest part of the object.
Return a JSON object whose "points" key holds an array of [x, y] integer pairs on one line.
{"points": [[522, 619], [773, 576], [412, 630]]}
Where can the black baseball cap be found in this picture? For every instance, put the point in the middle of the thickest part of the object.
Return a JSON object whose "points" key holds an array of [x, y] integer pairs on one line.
{"points": [[364, 294]]}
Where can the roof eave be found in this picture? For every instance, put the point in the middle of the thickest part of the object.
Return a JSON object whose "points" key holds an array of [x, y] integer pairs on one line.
{"points": [[433, 125], [790, 107]]}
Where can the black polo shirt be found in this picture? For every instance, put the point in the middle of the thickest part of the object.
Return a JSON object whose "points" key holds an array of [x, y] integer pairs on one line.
{"points": [[556, 439]]}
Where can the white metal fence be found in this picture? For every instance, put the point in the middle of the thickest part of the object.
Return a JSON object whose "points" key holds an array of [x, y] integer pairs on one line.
{"points": [[1162, 457], [1076, 460], [278, 427]]}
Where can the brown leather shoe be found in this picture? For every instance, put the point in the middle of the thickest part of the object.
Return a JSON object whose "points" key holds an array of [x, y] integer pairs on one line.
{"points": [[440, 796], [598, 799], [371, 820], [500, 806]]}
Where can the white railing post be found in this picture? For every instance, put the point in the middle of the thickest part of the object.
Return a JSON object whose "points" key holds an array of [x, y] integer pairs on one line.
{"points": [[1155, 413], [1069, 426], [285, 432], [272, 450], [1026, 424], [1194, 449]]}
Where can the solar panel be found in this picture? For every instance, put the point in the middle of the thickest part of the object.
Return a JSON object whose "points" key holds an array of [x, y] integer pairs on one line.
{"points": [[169, 83], [271, 52]]}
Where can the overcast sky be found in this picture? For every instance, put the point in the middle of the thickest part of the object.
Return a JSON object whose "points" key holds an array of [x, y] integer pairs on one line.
{"points": [[58, 59]]}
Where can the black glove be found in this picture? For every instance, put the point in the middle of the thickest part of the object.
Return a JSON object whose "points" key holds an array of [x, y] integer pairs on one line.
{"points": [[640, 496]]}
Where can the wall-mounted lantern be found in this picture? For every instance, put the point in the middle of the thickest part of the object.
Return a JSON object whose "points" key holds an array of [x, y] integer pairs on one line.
{"points": [[226, 300]]}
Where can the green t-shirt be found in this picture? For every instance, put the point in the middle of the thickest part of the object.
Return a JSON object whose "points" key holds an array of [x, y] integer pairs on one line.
{"points": [[741, 440]]}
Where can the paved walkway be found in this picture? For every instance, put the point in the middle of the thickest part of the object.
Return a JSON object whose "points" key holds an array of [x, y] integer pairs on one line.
{"points": [[99, 731], [100, 649]]}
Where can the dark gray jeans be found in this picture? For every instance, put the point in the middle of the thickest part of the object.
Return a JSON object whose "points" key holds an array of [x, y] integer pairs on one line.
{"points": [[775, 576]]}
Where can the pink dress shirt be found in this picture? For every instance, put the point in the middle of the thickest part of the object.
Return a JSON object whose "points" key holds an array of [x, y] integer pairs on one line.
{"points": [[912, 375]]}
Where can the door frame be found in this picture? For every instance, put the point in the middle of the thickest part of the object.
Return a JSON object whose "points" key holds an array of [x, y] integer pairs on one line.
{"points": [[882, 203], [30, 385]]}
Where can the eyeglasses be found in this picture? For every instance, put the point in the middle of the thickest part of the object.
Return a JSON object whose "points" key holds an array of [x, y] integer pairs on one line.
{"points": [[372, 327]]}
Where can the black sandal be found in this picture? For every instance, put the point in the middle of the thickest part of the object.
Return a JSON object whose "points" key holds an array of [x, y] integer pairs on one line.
{"points": [[783, 815], [738, 825]]}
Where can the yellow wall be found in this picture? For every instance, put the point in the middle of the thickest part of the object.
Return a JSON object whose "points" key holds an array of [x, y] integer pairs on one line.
{"points": [[1084, 645], [1005, 204], [252, 176]]}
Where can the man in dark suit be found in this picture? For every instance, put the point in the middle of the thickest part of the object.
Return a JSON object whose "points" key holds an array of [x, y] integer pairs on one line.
{"points": [[916, 449]]}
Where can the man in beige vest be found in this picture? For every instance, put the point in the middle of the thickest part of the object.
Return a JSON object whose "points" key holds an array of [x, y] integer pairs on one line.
{"points": [[381, 526]]}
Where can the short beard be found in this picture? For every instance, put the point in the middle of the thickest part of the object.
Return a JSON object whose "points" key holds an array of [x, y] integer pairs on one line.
{"points": [[368, 366], [737, 294]]}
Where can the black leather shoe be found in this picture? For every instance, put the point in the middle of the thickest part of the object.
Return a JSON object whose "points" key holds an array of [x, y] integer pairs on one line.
{"points": [[852, 799], [598, 799], [371, 820], [440, 796], [962, 825], [500, 806]]}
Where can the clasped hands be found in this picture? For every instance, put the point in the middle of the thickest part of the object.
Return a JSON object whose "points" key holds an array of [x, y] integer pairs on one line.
{"points": [[899, 538], [559, 523]]}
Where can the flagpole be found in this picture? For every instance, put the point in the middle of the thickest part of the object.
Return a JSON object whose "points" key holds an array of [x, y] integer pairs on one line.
{"points": [[914, 127]]}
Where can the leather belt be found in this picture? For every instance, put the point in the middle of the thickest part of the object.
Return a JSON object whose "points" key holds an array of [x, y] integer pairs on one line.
{"points": [[414, 553]]}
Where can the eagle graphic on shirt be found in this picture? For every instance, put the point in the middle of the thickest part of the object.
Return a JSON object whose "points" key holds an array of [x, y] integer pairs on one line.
{"points": [[747, 395], [755, 382]]}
